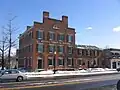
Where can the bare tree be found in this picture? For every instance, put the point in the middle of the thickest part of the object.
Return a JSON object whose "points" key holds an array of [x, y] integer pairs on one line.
{"points": [[10, 31], [3, 48]]}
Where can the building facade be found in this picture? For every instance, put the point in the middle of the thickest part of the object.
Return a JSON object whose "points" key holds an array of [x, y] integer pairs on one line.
{"points": [[88, 56], [47, 43], [112, 58]]}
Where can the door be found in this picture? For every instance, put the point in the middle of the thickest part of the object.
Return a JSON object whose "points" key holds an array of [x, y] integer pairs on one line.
{"points": [[6, 75], [114, 65], [40, 64]]}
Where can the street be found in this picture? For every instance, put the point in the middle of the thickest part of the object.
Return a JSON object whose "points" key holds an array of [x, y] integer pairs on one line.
{"points": [[68, 84]]}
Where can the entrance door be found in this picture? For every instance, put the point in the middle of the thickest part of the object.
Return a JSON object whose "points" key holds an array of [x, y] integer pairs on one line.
{"points": [[114, 65], [40, 63]]}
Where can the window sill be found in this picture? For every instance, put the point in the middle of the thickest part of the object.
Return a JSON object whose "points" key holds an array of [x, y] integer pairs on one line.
{"points": [[60, 65], [60, 52], [50, 65], [40, 52]]}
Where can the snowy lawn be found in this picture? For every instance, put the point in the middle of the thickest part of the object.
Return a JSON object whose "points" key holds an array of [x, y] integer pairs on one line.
{"points": [[49, 73]]}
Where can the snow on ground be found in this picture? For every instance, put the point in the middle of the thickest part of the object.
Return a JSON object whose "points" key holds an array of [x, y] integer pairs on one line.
{"points": [[49, 73]]}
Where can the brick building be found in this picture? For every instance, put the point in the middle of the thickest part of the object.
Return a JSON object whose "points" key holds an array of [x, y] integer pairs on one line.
{"points": [[45, 42], [111, 58], [88, 56]]}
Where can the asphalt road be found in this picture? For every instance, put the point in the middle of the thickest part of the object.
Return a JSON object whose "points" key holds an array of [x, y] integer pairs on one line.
{"points": [[65, 84]]}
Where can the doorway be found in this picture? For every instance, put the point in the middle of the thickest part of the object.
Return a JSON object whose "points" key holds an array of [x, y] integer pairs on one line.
{"points": [[40, 63], [114, 65]]}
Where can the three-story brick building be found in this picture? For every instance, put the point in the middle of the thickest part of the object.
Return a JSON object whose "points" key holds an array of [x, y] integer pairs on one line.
{"points": [[45, 42]]}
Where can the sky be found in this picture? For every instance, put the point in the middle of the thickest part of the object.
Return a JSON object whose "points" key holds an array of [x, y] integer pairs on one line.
{"points": [[97, 22]]}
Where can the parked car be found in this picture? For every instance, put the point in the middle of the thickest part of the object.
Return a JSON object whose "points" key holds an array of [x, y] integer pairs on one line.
{"points": [[13, 74], [118, 69]]}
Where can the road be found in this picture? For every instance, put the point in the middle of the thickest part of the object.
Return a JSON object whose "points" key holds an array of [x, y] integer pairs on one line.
{"points": [[68, 84]]}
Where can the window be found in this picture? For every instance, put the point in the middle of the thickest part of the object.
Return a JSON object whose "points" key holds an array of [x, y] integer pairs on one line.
{"points": [[79, 51], [40, 48], [69, 61], [61, 37], [79, 62], [51, 48], [96, 53], [118, 62], [39, 34], [60, 61], [88, 52], [50, 61], [70, 50], [14, 71], [51, 36], [60, 49], [70, 38]]}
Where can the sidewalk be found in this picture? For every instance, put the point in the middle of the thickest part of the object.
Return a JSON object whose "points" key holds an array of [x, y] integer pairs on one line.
{"points": [[75, 74]]}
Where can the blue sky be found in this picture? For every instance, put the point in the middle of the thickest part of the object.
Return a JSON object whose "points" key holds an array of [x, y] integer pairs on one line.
{"points": [[97, 22]]}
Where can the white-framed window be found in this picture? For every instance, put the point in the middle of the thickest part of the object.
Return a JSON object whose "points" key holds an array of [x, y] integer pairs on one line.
{"points": [[40, 47], [69, 61], [60, 61], [61, 37], [51, 36], [70, 38], [70, 49], [51, 48], [79, 62], [60, 49], [80, 52], [96, 52], [39, 34], [50, 61], [88, 52]]}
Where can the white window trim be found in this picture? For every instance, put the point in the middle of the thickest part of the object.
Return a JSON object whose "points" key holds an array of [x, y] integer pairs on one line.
{"points": [[41, 59], [52, 46], [51, 33], [68, 37], [43, 47], [71, 49], [42, 33], [51, 59], [61, 34], [63, 49], [70, 62], [61, 58], [79, 60]]}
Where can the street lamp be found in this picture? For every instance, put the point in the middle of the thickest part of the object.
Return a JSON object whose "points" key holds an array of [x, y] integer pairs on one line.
{"points": [[54, 62]]}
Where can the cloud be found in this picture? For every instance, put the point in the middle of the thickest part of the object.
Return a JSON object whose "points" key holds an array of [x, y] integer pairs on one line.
{"points": [[116, 29], [89, 28]]}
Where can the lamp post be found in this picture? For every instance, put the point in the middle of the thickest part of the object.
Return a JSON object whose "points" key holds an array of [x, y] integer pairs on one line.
{"points": [[54, 62]]}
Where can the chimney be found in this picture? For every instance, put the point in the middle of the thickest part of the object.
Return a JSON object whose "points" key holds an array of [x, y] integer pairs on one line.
{"points": [[65, 19], [45, 14]]}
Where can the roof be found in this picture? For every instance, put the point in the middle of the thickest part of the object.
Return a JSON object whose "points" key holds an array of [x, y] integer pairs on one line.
{"points": [[87, 47]]}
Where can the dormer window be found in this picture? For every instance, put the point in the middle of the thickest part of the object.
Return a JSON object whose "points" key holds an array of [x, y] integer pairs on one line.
{"points": [[55, 27]]}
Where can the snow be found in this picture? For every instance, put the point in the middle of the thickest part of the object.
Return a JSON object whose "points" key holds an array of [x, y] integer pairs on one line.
{"points": [[89, 71]]}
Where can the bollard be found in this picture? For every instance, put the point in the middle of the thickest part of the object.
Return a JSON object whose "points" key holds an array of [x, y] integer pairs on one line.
{"points": [[118, 85]]}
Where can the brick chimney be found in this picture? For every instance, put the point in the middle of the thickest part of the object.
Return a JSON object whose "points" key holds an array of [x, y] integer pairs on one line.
{"points": [[45, 14], [65, 19]]}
